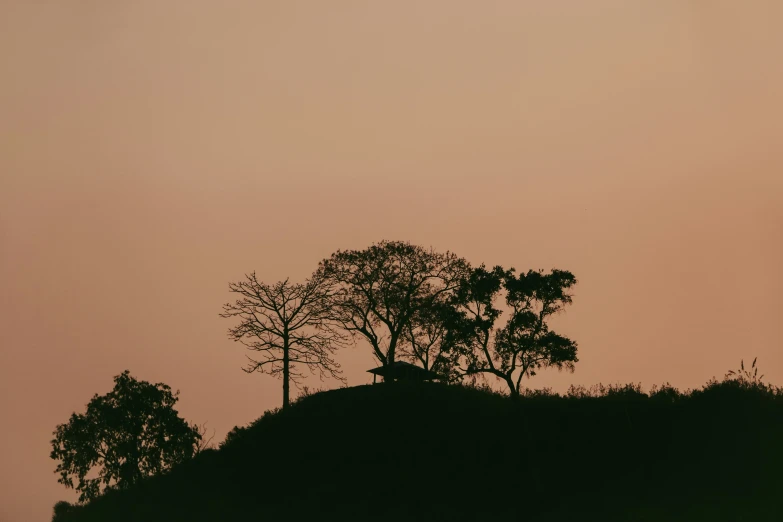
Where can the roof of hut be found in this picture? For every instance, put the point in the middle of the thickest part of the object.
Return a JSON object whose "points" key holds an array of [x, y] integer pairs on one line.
{"points": [[402, 367]]}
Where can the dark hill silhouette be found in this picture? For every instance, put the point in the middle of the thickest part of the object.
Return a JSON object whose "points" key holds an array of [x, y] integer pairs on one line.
{"points": [[435, 452]]}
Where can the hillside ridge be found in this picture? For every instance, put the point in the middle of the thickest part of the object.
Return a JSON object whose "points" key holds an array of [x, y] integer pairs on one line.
{"points": [[437, 452]]}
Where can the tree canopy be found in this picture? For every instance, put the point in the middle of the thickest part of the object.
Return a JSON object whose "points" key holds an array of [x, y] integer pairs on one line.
{"points": [[130, 433], [525, 343], [381, 289]]}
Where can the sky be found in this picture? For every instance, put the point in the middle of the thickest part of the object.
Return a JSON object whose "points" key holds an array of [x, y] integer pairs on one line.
{"points": [[151, 152]]}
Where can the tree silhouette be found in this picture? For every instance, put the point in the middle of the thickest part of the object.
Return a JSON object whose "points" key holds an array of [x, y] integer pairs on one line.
{"points": [[524, 344], [288, 325], [130, 433], [379, 290], [425, 341]]}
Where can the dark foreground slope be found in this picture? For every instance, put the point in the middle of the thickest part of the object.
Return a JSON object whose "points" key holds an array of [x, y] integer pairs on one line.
{"points": [[431, 452]]}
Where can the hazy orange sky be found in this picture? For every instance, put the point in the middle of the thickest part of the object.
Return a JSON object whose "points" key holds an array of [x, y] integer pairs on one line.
{"points": [[152, 151]]}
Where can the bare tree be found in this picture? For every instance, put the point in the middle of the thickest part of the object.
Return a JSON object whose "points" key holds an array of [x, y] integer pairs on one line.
{"points": [[204, 443], [288, 326], [379, 290]]}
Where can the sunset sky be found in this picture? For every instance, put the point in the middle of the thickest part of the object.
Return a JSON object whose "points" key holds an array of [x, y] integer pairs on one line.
{"points": [[152, 151]]}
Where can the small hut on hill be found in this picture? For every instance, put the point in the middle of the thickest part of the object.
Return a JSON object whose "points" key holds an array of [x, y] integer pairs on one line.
{"points": [[403, 371]]}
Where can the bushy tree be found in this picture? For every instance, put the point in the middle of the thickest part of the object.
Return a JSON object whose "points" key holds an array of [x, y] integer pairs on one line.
{"points": [[130, 433], [61, 509], [525, 343]]}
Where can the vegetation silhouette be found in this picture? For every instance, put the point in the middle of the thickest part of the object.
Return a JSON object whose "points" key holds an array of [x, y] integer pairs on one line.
{"points": [[477, 345], [288, 325], [410, 304], [448, 450], [432, 451], [384, 291], [128, 434]]}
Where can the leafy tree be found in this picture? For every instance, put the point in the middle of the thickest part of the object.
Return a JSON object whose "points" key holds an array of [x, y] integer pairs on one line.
{"points": [[130, 433], [425, 341], [380, 290], [525, 343], [288, 325]]}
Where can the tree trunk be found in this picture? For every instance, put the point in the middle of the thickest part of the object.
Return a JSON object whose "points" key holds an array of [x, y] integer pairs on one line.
{"points": [[286, 364], [513, 390], [389, 363]]}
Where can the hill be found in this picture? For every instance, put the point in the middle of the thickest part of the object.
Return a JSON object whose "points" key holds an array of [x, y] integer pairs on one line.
{"points": [[434, 452]]}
